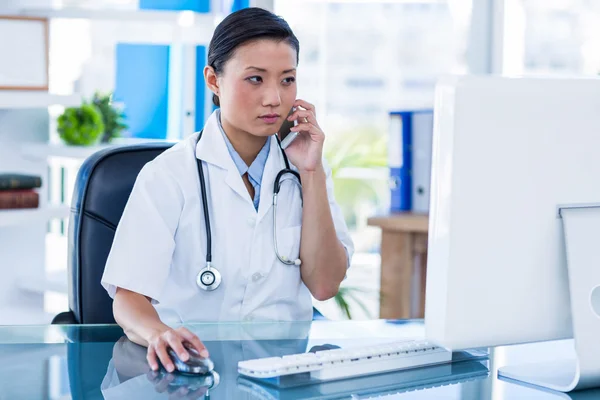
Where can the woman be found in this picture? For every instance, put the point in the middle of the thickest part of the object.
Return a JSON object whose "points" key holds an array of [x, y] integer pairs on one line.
{"points": [[156, 270]]}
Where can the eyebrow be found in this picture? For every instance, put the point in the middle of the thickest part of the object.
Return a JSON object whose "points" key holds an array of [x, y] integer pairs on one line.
{"points": [[264, 70]]}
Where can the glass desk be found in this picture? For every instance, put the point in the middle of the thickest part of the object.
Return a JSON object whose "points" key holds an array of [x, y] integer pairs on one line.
{"points": [[99, 362]]}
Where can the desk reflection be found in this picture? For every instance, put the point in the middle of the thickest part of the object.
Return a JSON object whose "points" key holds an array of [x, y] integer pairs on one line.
{"points": [[129, 376]]}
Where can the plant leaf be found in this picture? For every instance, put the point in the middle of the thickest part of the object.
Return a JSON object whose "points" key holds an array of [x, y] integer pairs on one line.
{"points": [[343, 304]]}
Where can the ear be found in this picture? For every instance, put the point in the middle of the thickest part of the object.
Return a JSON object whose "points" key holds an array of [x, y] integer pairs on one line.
{"points": [[210, 77]]}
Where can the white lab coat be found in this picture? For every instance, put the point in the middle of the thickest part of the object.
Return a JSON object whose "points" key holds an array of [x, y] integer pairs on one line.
{"points": [[160, 244]]}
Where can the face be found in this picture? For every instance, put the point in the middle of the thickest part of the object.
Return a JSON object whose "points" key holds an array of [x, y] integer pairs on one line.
{"points": [[257, 87]]}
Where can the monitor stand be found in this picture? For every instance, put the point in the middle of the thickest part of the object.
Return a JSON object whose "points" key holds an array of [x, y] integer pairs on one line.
{"points": [[581, 228]]}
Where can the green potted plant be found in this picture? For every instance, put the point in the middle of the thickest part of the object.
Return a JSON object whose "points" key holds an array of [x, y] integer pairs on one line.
{"points": [[112, 116], [81, 126]]}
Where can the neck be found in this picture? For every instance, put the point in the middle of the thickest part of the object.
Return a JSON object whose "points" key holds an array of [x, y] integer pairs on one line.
{"points": [[245, 144]]}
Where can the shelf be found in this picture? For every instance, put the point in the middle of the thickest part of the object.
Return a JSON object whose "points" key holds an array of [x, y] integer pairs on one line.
{"points": [[55, 281], [139, 26], [183, 18], [19, 315], [61, 150], [14, 99], [43, 150], [25, 216]]}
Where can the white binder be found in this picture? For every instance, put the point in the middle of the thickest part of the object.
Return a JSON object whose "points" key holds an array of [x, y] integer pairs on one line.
{"points": [[422, 134]]}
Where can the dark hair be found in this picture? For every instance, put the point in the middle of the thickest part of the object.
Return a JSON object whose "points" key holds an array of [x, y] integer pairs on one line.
{"points": [[241, 27]]}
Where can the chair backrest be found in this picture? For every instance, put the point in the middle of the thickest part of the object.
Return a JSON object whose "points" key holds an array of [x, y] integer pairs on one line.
{"points": [[102, 188]]}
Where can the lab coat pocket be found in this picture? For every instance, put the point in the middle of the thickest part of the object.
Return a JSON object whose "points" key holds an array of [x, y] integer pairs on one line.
{"points": [[293, 298], [288, 242]]}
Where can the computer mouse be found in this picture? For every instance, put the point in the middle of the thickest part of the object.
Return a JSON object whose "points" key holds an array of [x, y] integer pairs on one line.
{"points": [[196, 364]]}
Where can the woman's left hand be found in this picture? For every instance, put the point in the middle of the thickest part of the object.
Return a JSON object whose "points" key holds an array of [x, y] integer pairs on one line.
{"points": [[306, 151]]}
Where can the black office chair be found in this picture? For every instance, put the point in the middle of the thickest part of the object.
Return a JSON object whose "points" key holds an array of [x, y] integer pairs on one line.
{"points": [[102, 188], [103, 185]]}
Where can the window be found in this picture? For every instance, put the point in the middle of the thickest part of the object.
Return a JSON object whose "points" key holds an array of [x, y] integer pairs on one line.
{"points": [[359, 60], [552, 37]]}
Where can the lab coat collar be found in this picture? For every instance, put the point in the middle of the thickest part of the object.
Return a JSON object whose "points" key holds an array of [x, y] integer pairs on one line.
{"points": [[212, 149]]}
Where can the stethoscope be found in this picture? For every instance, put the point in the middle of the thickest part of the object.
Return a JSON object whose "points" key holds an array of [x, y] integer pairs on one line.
{"points": [[209, 277]]}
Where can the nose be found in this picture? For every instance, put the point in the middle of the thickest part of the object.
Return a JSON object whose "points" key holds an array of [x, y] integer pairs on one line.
{"points": [[271, 97]]}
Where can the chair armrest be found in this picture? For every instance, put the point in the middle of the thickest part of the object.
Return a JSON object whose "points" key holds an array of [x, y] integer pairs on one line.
{"points": [[66, 317]]}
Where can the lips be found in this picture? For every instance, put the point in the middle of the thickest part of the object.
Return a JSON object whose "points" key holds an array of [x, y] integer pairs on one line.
{"points": [[270, 118]]}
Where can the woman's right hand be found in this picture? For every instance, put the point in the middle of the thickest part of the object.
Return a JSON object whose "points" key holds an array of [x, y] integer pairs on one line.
{"points": [[175, 339]]}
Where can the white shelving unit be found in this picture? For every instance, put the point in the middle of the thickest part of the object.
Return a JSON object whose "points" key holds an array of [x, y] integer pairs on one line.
{"points": [[33, 215], [172, 17], [55, 281], [25, 118], [26, 144], [58, 150], [152, 26], [11, 99], [24, 316]]}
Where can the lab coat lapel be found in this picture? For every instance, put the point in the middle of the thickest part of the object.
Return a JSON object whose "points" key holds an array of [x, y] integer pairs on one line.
{"points": [[274, 164], [213, 150]]}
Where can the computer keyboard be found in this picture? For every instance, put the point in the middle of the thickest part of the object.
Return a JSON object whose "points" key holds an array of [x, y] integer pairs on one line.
{"points": [[382, 385], [351, 362]]}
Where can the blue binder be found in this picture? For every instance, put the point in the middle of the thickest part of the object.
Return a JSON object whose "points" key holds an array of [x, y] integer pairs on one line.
{"points": [[399, 160], [409, 159]]}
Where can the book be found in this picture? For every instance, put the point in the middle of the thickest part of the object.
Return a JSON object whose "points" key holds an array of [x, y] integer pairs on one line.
{"points": [[16, 199], [9, 181]]}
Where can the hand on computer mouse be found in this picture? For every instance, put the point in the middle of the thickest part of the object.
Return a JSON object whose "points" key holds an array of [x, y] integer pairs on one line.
{"points": [[177, 340], [194, 365]]}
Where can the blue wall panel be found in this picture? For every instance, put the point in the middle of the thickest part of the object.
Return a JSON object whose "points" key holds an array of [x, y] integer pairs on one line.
{"points": [[200, 87], [142, 85], [191, 5], [239, 4]]}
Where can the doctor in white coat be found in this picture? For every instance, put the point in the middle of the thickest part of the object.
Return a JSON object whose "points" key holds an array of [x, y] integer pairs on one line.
{"points": [[163, 243]]}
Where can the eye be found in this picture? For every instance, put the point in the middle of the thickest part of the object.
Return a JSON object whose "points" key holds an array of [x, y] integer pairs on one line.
{"points": [[254, 79], [289, 80]]}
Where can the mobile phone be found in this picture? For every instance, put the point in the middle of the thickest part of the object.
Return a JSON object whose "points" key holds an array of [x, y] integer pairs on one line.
{"points": [[285, 135]]}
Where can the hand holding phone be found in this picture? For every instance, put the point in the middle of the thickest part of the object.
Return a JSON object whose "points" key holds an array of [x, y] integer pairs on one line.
{"points": [[285, 135]]}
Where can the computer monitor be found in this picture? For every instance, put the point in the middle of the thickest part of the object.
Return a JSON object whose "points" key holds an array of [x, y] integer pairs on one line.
{"points": [[514, 231]]}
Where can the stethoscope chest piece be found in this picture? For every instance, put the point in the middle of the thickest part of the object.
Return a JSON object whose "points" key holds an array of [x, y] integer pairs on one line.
{"points": [[208, 278]]}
